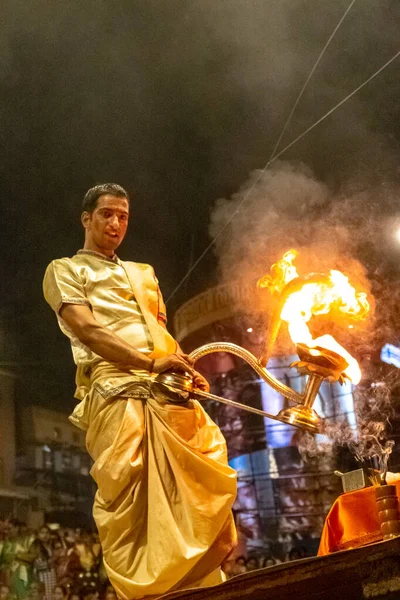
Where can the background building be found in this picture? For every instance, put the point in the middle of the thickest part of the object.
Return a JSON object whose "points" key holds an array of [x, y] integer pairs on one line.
{"points": [[44, 466], [7, 423], [15, 501], [53, 459]]}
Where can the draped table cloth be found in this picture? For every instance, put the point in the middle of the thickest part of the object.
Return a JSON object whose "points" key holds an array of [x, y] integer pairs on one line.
{"points": [[352, 521]]}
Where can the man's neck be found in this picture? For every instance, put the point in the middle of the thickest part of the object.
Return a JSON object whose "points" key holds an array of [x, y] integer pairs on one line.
{"points": [[94, 248]]}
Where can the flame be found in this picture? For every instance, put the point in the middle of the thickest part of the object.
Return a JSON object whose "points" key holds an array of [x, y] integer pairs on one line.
{"points": [[282, 272], [320, 296]]}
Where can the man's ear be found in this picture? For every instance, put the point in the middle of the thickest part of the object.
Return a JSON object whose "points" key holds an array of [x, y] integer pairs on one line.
{"points": [[85, 219]]}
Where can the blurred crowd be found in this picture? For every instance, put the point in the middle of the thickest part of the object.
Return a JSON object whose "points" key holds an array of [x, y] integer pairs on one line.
{"points": [[51, 564], [244, 564], [66, 564]]}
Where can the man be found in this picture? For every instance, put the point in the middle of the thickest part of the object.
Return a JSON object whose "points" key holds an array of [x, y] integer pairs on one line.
{"points": [[16, 560], [164, 487], [42, 552]]}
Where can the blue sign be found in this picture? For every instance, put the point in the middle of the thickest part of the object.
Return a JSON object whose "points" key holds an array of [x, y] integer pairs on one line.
{"points": [[391, 354]]}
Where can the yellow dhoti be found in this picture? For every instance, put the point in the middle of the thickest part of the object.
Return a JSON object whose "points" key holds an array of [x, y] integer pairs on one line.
{"points": [[165, 491]]}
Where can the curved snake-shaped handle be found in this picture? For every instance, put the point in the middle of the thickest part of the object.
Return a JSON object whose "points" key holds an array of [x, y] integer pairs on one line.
{"points": [[252, 361]]}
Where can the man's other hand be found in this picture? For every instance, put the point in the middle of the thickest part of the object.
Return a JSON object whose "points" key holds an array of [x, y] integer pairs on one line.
{"points": [[200, 382], [174, 362]]}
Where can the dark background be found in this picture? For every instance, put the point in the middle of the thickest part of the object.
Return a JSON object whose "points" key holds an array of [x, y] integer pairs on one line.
{"points": [[178, 101]]}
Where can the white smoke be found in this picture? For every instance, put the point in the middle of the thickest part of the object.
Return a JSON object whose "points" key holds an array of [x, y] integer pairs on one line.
{"points": [[351, 229]]}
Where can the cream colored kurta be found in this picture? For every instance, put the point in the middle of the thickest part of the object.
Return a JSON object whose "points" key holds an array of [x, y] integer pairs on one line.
{"points": [[165, 490]]}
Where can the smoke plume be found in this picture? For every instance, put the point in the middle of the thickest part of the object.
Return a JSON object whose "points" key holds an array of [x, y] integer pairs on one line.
{"points": [[368, 442], [351, 229]]}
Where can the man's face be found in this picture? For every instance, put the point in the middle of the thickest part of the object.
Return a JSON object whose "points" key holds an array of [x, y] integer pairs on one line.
{"points": [[70, 538], [44, 535], [106, 226], [58, 593]]}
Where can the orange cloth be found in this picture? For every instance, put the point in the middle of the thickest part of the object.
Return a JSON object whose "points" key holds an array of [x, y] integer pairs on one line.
{"points": [[352, 521]]}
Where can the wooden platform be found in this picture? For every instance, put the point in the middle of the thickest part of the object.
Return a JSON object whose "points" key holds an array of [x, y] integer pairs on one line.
{"points": [[369, 572]]}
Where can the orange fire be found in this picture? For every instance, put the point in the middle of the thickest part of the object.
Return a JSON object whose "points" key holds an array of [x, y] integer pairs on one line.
{"points": [[316, 294]]}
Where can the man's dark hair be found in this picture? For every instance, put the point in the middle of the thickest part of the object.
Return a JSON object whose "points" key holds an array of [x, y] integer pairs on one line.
{"points": [[92, 195]]}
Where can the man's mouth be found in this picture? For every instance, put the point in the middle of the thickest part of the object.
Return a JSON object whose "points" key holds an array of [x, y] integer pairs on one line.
{"points": [[112, 234]]}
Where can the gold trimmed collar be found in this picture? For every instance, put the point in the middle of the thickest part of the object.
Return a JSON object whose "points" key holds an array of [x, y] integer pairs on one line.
{"points": [[114, 259]]}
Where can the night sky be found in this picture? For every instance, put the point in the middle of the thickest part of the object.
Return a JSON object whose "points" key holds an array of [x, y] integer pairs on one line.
{"points": [[178, 101]]}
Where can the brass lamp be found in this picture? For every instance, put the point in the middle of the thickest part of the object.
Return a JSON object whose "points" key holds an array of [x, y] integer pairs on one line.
{"points": [[317, 363]]}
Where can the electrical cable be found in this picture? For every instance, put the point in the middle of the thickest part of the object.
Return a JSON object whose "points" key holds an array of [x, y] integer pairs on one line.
{"points": [[292, 143]]}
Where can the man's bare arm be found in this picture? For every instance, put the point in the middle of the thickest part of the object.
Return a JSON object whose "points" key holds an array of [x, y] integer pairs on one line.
{"points": [[109, 346]]}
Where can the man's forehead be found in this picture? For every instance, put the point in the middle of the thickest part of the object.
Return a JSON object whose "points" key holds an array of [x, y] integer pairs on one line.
{"points": [[113, 202]]}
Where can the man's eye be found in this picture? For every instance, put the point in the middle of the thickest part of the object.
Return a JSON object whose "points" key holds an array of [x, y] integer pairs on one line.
{"points": [[123, 218]]}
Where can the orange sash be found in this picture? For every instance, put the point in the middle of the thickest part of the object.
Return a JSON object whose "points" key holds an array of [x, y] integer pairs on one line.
{"points": [[147, 293]]}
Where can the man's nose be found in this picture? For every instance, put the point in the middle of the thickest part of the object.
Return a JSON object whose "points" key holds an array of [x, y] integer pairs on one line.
{"points": [[114, 221]]}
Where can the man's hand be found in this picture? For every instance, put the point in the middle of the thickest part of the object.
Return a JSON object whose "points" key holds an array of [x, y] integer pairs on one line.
{"points": [[173, 362], [200, 382]]}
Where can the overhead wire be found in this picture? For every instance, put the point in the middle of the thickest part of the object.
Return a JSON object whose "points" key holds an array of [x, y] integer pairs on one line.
{"points": [[278, 155], [326, 115], [321, 54], [288, 120]]}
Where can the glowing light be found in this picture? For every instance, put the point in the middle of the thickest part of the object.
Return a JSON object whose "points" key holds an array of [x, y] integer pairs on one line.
{"points": [[282, 272], [249, 330], [319, 297]]}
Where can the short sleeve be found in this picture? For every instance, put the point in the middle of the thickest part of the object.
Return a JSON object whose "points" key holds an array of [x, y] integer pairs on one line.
{"points": [[62, 285]]}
